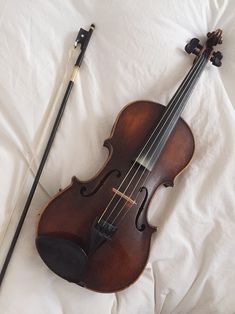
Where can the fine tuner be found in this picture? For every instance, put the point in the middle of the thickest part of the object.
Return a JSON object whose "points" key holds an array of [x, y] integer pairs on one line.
{"points": [[196, 48]]}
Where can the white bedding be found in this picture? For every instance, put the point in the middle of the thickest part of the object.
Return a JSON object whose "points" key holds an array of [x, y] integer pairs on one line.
{"points": [[136, 52]]}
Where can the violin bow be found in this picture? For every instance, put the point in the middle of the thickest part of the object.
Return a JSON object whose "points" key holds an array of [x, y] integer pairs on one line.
{"points": [[83, 39]]}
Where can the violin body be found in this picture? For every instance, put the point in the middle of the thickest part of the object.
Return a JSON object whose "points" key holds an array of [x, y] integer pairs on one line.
{"points": [[65, 226], [96, 233]]}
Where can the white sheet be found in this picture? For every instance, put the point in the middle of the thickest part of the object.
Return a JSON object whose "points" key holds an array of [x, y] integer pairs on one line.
{"points": [[136, 53]]}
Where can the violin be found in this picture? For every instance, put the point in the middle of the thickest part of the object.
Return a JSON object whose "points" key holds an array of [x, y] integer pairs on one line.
{"points": [[96, 233]]}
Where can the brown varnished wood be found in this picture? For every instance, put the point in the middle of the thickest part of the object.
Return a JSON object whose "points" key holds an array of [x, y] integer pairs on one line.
{"points": [[120, 261]]}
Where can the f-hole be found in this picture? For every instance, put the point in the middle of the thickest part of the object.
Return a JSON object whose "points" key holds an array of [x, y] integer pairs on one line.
{"points": [[84, 191], [142, 226]]}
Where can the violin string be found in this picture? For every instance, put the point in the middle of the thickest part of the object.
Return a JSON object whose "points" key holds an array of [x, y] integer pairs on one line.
{"points": [[171, 103], [197, 64], [149, 161], [136, 185]]}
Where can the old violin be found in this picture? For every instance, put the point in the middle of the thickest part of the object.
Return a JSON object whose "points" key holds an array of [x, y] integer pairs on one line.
{"points": [[96, 233]]}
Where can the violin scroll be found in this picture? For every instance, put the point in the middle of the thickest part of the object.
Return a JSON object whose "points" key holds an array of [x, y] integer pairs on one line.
{"points": [[214, 38]]}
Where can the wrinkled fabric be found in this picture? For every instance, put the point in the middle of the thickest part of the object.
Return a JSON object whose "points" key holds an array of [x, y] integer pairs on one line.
{"points": [[136, 52]]}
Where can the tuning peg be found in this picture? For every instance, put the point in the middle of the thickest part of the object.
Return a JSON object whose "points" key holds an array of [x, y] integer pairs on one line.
{"points": [[216, 58], [218, 54], [217, 62], [192, 45]]}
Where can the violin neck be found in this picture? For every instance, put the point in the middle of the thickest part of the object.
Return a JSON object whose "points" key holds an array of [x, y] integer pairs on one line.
{"points": [[179, 100], [157, 140]]}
